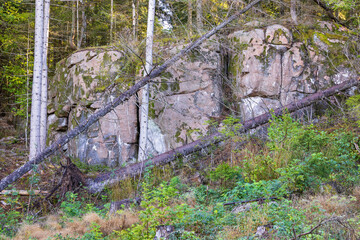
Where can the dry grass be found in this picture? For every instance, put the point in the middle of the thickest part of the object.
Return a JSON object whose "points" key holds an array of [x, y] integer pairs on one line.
{"points": [[248, 225], [77, 227], [332, 204]]}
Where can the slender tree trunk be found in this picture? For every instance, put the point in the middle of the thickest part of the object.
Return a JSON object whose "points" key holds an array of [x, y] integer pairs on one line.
{"points": [[77, 22], [111, 20], [293, 11], [190, 16], [83, 25], [36, 87], [27, 88], [134, 17], [44, 76], [144, 107], [190, 19], [73, 22], [199, 15], [84, 125]]}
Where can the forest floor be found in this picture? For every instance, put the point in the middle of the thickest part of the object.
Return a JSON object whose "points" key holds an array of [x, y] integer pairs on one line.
{"points": [[302, 182]]}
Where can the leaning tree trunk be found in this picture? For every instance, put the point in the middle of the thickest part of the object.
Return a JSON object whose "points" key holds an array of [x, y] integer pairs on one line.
{"points": [[44, 77], [36, 87], [84, 125], [109, 178], [144, 107]]}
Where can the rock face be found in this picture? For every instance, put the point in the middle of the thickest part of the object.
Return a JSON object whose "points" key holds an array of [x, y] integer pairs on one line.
{"points": [[264, 67], [76, 91], [188, 95], [270, 69]]}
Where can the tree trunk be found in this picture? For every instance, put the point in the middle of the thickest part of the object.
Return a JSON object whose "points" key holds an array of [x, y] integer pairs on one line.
{"points": [[84, 125], [36, 87], [293, 11], [44, 77], [190, 19], [105, 179], [111, 20], [72, 31], [199, 15], [77, 23], [144, 107], [83, 25]]}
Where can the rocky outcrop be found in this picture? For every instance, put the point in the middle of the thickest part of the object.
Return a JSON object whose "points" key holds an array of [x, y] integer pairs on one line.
{"points": [[270, 68], [187, 96], [265, 68], [80, 86]]}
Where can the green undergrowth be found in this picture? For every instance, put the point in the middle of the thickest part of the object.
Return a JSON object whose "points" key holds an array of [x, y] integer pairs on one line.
{"points": [[307, 177]]}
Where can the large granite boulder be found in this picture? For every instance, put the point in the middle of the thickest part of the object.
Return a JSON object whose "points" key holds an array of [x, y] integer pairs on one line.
{"points": [[182, 100], [188, 95], [84, 82], [271, 68]]}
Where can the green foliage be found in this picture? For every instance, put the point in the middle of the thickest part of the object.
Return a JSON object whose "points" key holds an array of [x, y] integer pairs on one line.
{"points": [[9, 219], [354, 106], [248, 191], [157, 209], [94, 234], [302, 157], [225, 174], [73, 207], [232, 125]]}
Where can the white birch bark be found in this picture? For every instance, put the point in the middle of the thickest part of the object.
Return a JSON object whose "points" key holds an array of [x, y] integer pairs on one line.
{"points": [[44, 77], [36, 85], [144, 107]]}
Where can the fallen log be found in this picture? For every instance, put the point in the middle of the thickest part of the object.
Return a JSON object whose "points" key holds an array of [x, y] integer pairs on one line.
{"points": [[109, 178], [23, 192], [260, 200], [84, 125]]}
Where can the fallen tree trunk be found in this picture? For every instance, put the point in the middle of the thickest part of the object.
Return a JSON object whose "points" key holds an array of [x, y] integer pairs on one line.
{"points": [[23, 192], [84, 125], [97, 184]]}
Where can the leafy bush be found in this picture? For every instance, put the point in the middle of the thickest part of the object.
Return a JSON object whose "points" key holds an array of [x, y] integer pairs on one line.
{"points": [[9, 219], [157, 210], [225, 174]]}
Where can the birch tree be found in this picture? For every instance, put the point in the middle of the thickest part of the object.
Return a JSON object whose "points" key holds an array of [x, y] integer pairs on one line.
{"points": [[144, 108], [44, 76], [37, 77]]}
